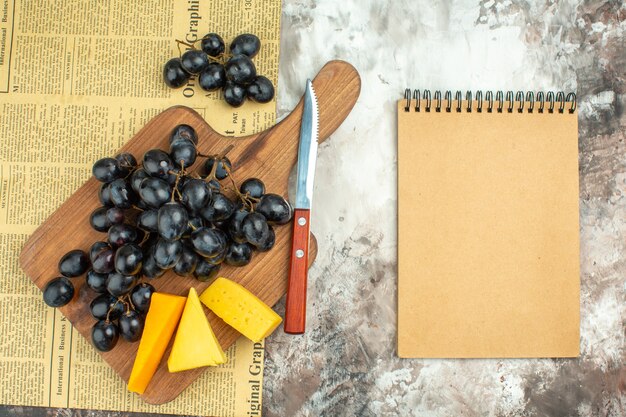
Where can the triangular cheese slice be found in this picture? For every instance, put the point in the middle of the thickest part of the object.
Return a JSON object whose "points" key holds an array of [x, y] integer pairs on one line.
{"points": [[195, 344], [161, 321], [241, 309]]}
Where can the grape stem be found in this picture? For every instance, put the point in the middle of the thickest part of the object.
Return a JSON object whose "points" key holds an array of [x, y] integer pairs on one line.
{"points": [[130, 304], [179, 42], [247, 200], [146, 236], [220, 59], [218, 158], [107, 320], [178, 175]]}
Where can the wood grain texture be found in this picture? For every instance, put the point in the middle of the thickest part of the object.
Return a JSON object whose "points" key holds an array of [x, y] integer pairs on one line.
{"points": [[295, 305], [269, 155]]}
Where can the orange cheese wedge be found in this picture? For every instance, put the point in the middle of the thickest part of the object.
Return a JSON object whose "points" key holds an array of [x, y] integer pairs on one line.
{"points": [[240, 309], [195, 344], [163, 316]]}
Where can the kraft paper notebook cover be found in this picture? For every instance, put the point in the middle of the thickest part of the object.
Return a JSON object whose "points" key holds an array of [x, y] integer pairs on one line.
{"points": [[488, 233]]}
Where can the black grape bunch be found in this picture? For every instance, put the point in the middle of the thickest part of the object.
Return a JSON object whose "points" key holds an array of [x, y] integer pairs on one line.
{"points": [[158, 216], [234, 73]]}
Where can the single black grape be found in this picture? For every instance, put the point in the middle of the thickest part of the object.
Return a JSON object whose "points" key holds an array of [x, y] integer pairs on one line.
{"points": [[131, 326], [260, 90], [74, 263], [128, 259], [157, 163], [104, 335], [98, 219], [136, 178], [167, 253], [220, 208], [275, 208], [140, 296], [195, 194], [104, 195], [213, 44], [122, 194], [205, 271], [105, 304], [102, 257], [234, 94], [187, 262], [238, 254], [240, 69], [147, 220], [194, 61], [120, 284], [255, 228], [127, 162], [115, 215], [121, 234], [174, 74], [155, 192], [234, 225], [107, 170], [213, 77], [254, 187], [221, 172], [149, 268], [172, 220], [268, 242], [183, 132], [183, 153], [208, 242], [96, 281], [96, 248], [58, 292], [246, 44]]}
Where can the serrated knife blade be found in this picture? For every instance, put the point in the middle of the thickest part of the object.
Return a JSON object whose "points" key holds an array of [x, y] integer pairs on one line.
{"points": [[307, 150]]}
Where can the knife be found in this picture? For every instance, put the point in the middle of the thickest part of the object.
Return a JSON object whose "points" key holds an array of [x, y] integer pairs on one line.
{"points": [[295, 309]]}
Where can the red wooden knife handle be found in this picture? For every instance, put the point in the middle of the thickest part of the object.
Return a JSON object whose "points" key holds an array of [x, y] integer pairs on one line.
{"points": [[295, 309]]}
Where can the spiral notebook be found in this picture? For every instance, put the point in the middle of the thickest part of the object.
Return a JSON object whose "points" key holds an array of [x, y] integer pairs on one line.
{"points": [[488, 243]]}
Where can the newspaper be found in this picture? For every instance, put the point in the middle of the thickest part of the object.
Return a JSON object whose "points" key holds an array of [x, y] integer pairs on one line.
{"points": [[77, 79]]}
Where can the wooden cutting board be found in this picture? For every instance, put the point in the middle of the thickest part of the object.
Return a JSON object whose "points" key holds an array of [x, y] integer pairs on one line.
{"points": [[269, 155]]}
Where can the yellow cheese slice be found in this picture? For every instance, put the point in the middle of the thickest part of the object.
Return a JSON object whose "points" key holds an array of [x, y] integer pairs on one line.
{"points": [[161, 321], [195, 344], [240, 309]]}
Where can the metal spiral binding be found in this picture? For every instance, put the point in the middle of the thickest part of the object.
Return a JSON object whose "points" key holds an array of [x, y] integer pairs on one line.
{"points": [[516, 101]]}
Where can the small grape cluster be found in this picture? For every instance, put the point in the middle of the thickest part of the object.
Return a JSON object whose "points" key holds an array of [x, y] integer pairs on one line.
{"points": [[234, 73], [159, 216]]}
